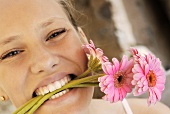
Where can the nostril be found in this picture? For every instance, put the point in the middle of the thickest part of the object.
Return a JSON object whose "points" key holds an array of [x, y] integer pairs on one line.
{"points": [[54, 65], [41, 71]]}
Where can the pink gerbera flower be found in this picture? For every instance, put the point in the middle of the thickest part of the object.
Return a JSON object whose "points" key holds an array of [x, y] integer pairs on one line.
{"points": [[91, 50], [148, 76], [117, 81]]}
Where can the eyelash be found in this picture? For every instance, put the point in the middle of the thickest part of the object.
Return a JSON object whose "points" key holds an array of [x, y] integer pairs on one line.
{"points": [[15, 52], [56, 33], [11, 54]]}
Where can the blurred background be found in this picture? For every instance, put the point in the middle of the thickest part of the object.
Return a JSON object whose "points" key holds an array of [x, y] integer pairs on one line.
{"points": [[116, 25]]}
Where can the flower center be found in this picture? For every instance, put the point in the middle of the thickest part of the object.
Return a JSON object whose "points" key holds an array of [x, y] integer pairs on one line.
{"points": [[119, 79], [151, 78]]}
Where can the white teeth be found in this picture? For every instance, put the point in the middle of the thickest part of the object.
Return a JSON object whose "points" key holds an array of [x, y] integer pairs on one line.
{"points": [[57, 84], [62, 82], [53, 97], [53, 86], [63, 92], [41, 91], [56, 95], [59, 94], [66, 79], [46, 90], [37, 92]]}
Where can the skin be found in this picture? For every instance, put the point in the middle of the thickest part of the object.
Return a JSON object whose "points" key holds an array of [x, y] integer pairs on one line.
{"points": [[39, 60]]}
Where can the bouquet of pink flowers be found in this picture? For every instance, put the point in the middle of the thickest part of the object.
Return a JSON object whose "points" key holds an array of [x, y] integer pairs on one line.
{"points": [[141, 72]]}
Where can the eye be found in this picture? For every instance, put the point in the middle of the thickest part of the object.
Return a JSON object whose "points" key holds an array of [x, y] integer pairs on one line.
{"points": [[11, 54], [55, 33]]}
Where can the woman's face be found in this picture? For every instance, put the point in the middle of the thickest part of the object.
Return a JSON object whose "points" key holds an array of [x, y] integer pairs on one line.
{"points": [[39, 46]]}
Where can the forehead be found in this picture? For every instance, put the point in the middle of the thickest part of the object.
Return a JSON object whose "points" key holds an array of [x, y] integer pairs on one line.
{"points": [[27, 12]]}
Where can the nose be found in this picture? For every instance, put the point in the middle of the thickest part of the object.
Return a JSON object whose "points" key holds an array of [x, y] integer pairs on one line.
{"points": [[44, 61]]}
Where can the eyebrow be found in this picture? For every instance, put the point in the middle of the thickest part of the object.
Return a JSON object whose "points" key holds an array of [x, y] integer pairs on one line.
{"points": [[48, 22], [41, 25], [8, 40]]}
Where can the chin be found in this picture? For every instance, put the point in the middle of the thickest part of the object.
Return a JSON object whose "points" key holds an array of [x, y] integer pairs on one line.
{"points": [[75, 101]]}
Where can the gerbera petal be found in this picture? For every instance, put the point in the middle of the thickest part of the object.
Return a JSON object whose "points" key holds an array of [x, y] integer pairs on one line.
{"points": [[136, 93], [129, 66], [134, 70], [124, 93], [123, 63], [145, 82], [99, 52], [138, 68], [116, 63], [120, 95], [114, 69], [160, 72], [92, 44], [134, 82], [103, 78], [107, 67], [116, 97], [105, 98], [140, 90], [130, 75], [137, 76], [145, 88], [103, 89], [158, 93], [160, 81], [90, 49], [146, 69], [152, 96], [128, 80], [127, 89], [148, 76], [160, 86], [156, 64], [109, 79], [140, 84]]}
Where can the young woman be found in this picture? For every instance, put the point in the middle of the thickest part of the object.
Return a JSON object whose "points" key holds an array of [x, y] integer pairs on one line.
{"points": [[40, 51]]}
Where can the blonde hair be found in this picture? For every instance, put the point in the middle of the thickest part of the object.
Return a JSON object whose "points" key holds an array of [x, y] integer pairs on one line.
{"points": [[70, 11]]}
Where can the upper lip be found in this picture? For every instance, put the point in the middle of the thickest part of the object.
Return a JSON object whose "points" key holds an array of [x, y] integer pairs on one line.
{"points": [[51, 78]]}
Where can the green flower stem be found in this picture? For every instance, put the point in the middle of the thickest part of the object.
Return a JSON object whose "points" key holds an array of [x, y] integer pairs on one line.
{"points": [[98, 67], [68, 85], [95, 84], [25, 107], [33, 105], [90, 61], [94, 63], [93, 66], [84, 74]]}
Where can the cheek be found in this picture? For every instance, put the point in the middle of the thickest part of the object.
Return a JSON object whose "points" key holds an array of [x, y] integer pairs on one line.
{"points": [[71, 49], [13, 79], [80, 58]]}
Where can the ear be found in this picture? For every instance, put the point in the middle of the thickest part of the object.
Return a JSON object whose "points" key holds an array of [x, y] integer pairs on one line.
{"points": [[83, 36], [3, 94]]}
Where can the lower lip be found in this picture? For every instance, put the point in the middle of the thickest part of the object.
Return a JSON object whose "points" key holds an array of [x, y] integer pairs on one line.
{"points": [[61, 98]]}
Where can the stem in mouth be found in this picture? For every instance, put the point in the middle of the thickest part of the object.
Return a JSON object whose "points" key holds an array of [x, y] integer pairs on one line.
{"points": [[36, 102], [81, 81]]}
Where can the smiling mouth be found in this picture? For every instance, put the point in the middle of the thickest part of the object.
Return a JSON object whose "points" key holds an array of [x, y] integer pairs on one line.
{"points": [[53, 86]]}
